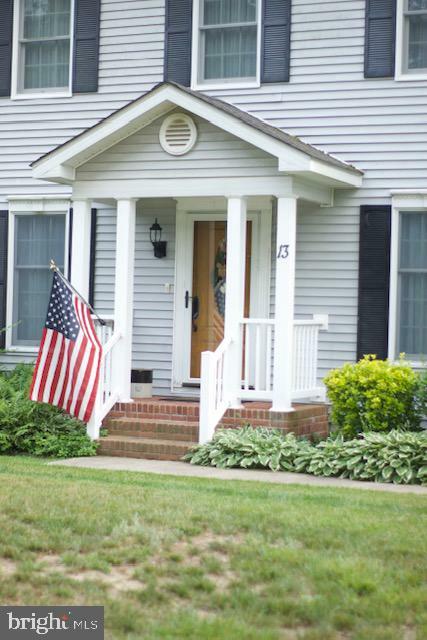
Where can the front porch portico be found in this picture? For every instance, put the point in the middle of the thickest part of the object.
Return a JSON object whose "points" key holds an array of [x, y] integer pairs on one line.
{"points": [[259, 358]]}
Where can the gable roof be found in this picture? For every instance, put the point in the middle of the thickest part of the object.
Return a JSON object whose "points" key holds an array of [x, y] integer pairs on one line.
{"points": [[157, 101]]}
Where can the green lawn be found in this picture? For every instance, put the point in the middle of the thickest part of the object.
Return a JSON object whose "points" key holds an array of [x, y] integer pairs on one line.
{"points": [[202, 559]]}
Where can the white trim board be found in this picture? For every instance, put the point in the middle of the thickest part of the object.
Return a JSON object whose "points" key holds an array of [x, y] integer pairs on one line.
{"points": [[401, 202], [24, 208], [60, 165], [16, 93], [196, 57], [187, 213]]}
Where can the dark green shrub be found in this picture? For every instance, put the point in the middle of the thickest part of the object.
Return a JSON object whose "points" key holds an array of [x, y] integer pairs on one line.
{"points": [[33, 428], [373, 395], [398, 457]]}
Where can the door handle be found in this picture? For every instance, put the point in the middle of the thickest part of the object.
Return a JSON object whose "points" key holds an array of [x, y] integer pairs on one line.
{"points": [[187, 299]]}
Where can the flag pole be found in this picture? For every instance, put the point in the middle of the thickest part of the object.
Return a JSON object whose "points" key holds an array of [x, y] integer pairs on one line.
{"points": [[54, 267]]}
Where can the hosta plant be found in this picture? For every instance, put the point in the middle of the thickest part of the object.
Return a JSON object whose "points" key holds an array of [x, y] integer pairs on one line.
{"points": [[398, 456], [248, 448]]}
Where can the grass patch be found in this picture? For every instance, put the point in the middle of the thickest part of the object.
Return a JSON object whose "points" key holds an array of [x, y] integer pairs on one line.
{"points": [[196, 558]]}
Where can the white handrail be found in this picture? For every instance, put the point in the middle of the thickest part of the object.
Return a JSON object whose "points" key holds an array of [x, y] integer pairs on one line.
{"points": [[214, 396], [106, 395]]}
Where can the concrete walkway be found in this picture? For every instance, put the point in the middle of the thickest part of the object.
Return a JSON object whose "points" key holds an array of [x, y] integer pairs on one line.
{"points": [[187, 470]]}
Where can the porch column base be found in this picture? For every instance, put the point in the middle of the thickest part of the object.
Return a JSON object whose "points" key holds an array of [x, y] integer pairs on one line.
{"points": [[282, 409]]}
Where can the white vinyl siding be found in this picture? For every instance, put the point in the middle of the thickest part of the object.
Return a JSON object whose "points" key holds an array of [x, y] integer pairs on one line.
{"points": [[378, 124]]}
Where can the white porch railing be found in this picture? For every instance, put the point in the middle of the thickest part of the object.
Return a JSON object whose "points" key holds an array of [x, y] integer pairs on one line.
{"points": [[257, 364], [106, 396], [214, 397]]}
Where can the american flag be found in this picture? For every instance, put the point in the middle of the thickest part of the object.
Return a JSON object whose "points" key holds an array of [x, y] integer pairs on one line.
{"points": [[67, 368]]}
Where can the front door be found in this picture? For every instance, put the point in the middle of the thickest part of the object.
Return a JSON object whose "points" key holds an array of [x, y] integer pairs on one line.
{"points": [[201, 283], [209, 286]]}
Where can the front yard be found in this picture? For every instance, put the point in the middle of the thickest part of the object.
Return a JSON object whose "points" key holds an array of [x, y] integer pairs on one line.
{"points": [[207, 559]]}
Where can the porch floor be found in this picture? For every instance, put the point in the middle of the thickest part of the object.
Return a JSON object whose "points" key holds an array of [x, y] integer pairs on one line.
{"points": [[165, 429]]}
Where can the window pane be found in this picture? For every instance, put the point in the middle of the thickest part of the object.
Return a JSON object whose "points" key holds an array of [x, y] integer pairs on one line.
{"points": [[417, 48], [413, 240], [230, 53], [37, 240], [229, 11], [46, 18], [417, 5], [46, 64], [413, 314]]}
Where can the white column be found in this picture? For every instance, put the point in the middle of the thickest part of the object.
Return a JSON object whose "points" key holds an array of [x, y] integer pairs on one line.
{"points": [[284, 303], [235, 293], [80, 246], [123, 297]]}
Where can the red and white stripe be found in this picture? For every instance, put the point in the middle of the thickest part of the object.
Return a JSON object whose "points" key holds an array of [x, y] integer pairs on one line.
{"points": [[67, 371]]}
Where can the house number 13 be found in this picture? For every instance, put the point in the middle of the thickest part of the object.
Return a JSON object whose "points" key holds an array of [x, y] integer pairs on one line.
{"points": [[283, 252]]}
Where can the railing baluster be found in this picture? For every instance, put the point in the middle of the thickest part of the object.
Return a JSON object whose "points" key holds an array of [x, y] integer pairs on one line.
{"points": [[257, 358], [268, 360], [247, 354]]}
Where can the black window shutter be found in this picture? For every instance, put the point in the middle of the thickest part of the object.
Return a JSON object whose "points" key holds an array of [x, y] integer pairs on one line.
{"points": [[374, 280], [6, 31], [276, 40], [179, 19], [86, 46], [380, 38], [3, 274], [92, 258]]}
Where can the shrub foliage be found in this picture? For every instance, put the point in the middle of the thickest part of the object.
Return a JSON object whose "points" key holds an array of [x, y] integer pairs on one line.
{"points": [[373, 395], [33, 428], [398, 457]]}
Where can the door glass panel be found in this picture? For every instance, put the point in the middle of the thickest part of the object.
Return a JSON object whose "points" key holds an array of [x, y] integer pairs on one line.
{"points": [[209, 287]]}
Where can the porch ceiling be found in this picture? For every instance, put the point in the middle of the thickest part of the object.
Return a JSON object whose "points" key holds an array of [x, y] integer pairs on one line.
{"points": [[295, 158]]}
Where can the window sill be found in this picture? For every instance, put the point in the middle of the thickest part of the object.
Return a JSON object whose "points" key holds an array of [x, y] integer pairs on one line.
{"points": [[23, 350], [41, 95], [407, 77], [210, 86]]}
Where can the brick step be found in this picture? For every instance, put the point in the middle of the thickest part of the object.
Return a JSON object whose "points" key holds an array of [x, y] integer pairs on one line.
{"points": [[153, 429], [157, 410], [151, 449]]}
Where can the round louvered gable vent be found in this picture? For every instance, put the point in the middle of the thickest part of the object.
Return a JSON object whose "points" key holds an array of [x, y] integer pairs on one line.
{"points": [[178, 134]]}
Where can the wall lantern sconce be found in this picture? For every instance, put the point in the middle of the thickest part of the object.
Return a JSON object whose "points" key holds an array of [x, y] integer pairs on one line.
{"points": [[156, 240]]}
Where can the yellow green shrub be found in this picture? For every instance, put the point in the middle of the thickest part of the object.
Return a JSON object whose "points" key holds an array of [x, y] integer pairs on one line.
{"points": [[373, 395]]}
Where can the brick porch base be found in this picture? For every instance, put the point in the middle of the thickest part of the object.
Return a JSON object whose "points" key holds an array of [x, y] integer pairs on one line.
{"points": [[162, 429]]}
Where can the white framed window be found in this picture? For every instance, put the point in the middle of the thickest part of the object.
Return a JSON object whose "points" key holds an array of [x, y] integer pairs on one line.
{"points": [[226, 43], [408, 282], [35, 237], [411, 39], [42, 48]]}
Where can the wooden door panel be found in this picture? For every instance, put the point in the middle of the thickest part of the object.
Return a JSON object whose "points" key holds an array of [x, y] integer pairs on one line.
{"points": [[209, 287]]}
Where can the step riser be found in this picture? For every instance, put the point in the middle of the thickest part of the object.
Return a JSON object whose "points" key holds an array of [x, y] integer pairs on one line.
{"points": [[155, 415], [142, 451], [141, 456], [158, 435]]}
